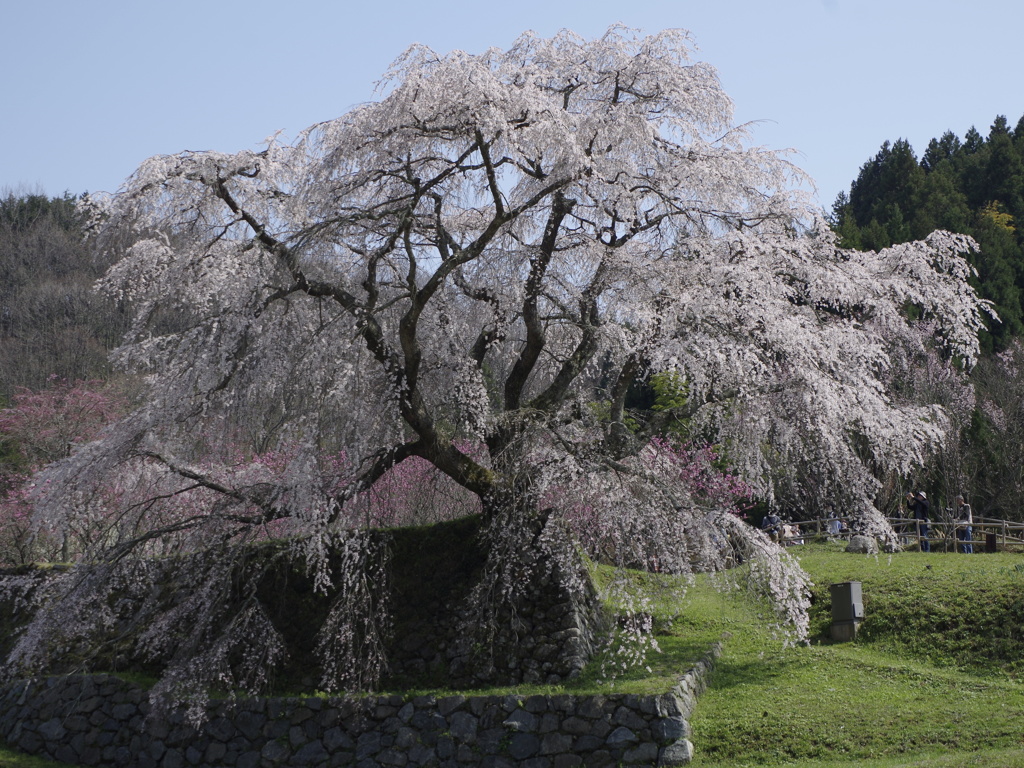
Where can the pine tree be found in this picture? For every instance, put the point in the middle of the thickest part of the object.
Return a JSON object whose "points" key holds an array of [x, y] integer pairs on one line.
{"points": [[844, 224], [887, 187], [1004, 171], [939, 204], [940, 150], [974, 186]]}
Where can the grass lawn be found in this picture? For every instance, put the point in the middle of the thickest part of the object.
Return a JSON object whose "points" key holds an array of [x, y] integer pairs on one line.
{"points": [[11, 759], [934, 678]]}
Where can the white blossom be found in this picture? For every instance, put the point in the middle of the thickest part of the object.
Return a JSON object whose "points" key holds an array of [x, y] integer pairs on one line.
{"points": [[490, 256]]}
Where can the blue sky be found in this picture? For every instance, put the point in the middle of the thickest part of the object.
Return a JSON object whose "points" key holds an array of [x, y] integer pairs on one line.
{"points": [[93, 87]]}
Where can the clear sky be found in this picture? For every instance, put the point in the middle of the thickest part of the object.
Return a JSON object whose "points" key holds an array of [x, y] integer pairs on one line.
{"points": [[93, 87]]}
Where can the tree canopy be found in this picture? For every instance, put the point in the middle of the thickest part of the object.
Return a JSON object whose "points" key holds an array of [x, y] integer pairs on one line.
{"points": [[974, 186], [474, 271]]}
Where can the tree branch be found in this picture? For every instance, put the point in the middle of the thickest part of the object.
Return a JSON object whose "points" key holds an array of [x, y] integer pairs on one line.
{"points": [[535, 337]]}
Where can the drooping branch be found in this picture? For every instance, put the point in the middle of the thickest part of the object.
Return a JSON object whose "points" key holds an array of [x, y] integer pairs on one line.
{"points": [[246, 497]]}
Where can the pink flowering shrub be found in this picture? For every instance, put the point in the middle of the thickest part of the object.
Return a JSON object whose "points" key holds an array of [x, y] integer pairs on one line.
{"points": [[44, 426], [700, 469], [414, 492], [40, 428]]}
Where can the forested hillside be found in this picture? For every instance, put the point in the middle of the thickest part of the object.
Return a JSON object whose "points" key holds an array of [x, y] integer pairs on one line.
{"points": [[51, 322], [973, 185]]}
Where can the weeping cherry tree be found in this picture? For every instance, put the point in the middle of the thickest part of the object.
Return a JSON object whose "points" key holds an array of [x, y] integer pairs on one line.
{"points": [[476, 270]]}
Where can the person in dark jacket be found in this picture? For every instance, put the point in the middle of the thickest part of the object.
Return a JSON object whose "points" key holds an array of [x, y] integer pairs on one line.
{"points": [[921, 511], [772, 525]]}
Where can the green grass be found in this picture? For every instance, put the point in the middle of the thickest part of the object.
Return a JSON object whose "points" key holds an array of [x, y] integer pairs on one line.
{"points": [[934, 678], [953, 610], [11, 759], [684, 632]]}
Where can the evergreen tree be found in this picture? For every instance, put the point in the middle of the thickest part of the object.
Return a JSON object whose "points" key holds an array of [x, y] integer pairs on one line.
{"points": [[939, 204], [1004, 170], [974, 186], [971, 166], [887, 184], [875, 236], [844, 224], [940, 150], [1018, 135], [972, 141], [897, 227]]}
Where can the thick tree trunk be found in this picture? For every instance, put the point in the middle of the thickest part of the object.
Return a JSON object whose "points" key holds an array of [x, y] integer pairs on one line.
{"points": [[533, 614]]}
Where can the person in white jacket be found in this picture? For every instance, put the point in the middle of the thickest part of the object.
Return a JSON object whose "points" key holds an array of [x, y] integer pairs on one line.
{"points": [[964, 525]]}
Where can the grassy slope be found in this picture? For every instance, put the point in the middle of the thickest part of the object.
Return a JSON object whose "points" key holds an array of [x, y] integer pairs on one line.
{"points": [[933, 680]]}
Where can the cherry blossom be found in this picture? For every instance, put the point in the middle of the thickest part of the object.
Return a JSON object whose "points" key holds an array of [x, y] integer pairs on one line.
{"points": [[472, 272]]}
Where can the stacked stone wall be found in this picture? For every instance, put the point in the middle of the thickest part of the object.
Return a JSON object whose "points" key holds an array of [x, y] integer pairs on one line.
{"points": [[103, 720], [547, 637]]}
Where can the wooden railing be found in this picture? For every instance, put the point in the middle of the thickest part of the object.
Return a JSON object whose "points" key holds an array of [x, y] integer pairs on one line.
{"points": [[987, 534]]}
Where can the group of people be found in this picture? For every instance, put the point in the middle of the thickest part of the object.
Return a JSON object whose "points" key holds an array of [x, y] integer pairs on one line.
{"points": [[920, 510], [780, 530], [836, 524]]}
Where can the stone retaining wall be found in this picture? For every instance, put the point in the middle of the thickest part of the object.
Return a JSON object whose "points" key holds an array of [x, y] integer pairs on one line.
{"points": [[545, 637], [102, 720]]}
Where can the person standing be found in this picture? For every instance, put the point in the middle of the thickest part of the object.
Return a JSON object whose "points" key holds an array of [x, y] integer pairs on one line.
{"points": [[921, 511], [835, 525], [964, 525], [772, 525]]}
